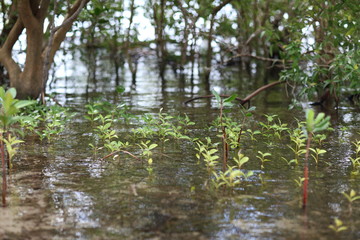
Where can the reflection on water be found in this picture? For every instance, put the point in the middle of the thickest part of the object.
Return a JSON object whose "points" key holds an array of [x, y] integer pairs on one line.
{"points": [[60, 191]]}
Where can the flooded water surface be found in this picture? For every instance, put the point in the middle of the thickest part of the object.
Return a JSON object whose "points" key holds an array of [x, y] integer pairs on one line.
{"points": [[61, 190]]}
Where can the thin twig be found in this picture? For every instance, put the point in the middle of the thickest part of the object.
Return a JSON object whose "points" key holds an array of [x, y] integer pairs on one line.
{"points": [[209, 96], [242, 101]]}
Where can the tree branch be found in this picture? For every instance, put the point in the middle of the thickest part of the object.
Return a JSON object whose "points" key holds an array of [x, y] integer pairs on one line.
{"points": [[242, 101], [43, 10], [259, 90], [26, 13], [218, 8], [57, 35], [211, 96], [13, 36], [60, 31]]}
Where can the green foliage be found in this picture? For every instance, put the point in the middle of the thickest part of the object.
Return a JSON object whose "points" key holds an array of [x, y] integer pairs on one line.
{"points": [[230, 178], [263, 158], [352, 196], [338, 226], [9, 108], [207, 151], [317, 124], [299, 182], [240, 160], [147, 148], [53, 119], [10, 147], [317, 152]]}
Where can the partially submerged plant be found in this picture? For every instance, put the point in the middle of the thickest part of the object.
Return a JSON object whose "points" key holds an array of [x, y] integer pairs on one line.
{"points": [[338, 226], [207, 151], [240, 160], [230, 178], [356, 160], [299, 182], [317, 152], [298, 137], [263, 158], [147, 148], [352, 196], [9, 108], [224, 103], [313, 125]]}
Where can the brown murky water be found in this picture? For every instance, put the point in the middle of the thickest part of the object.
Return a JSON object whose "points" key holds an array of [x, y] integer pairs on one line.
{"points": [[58, 190]]}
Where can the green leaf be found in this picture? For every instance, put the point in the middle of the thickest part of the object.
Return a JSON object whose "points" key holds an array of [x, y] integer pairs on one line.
{"points": [[310, 120], [12, 91], [152, 146], [24, 103], [217, 96], [230, 99], [2, 93]]}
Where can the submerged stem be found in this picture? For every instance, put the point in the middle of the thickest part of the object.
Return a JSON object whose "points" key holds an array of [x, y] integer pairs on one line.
{"points": [[306, 171], [4, 184]]}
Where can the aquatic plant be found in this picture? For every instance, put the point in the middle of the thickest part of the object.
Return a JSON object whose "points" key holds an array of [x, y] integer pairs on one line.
{"points": [[146, 149], [10, 107], [289, 162], [240, 159], [227, 102], [299, 182], [298, 137], [252, 134], [356, 160], [317, 152], [54, 119], [338, 226], [271, 129], [263, 158], [352, 196], [10, 144], [163, 126], [313, 125], [230, 178], [207, 151]]}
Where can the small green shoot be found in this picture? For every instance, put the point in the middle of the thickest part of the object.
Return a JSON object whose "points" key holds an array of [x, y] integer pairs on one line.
{"points": [[338, 226], [299, 182], [317, 152], [352, 196], [263, 158]]}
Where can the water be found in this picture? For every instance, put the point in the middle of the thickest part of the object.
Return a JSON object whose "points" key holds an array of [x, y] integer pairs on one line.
{"points": [[58, 190]]}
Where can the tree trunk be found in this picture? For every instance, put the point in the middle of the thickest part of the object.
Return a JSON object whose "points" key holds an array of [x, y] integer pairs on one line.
{"points": [[31, 14]]}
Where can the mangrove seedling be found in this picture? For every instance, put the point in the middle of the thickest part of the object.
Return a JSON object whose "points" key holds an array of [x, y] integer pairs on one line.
{"points": [[352, 196], [240, 160], [207, 151], [263, 158], [313, 125], [317, 152], [299, 182], [227, 102], [147, 148], [356, 160], [337, 226], [8, 110], [10, 147], [252, 134], [230, 178], [54, 118], [298, 137], [289, 162]]}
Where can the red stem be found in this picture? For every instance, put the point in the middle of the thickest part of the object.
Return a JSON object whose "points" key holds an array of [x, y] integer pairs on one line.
{"points": [[4, 184], [306, 172]]}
